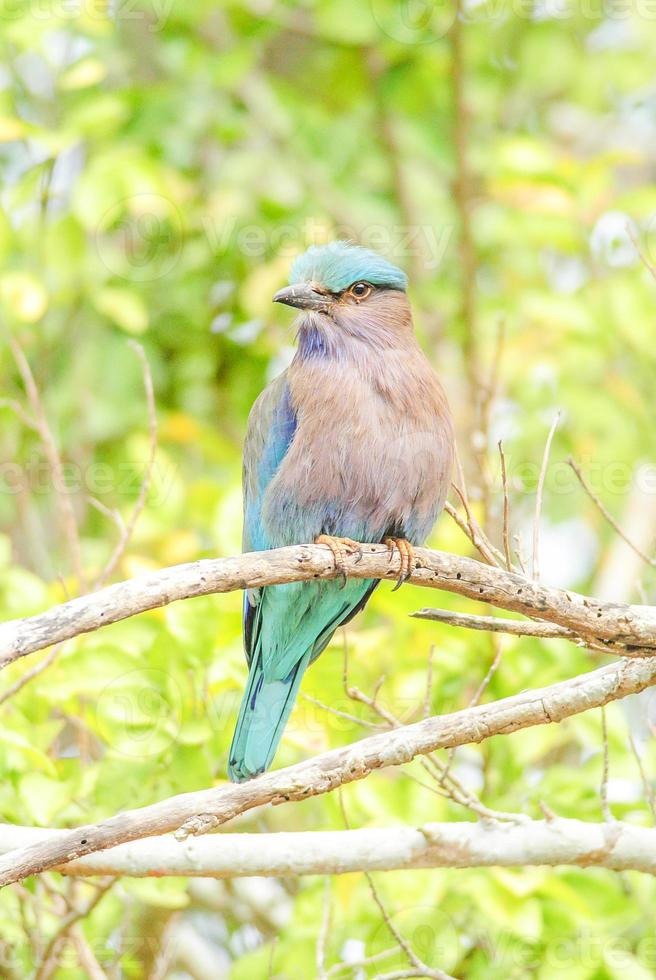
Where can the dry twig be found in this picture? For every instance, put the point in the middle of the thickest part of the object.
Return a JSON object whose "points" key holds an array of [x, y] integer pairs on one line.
{"points": [[126, 533], [42, 426], [605, 808], [200, 812], [608, 516], [506, 509], [538, 499]]}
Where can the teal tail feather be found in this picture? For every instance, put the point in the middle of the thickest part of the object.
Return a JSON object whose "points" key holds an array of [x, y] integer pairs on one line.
{"points": [[264, 711]]}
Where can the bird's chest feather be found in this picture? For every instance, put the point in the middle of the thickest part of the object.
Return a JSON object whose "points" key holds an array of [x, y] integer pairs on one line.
{"points": [[370, 453]]}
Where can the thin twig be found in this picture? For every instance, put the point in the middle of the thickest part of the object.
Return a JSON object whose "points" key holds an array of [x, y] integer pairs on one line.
{"points": [[112, 513], [519, 627], [404, 945], [403, 974], [648, 788], [459, 794], [353, 965], [429, 682], [124, 539], [506, 509], [49, 962], [62, 494], [340, 714], [643, 258], [86, 956], [272, 953], [322, 938], [345, 663], [608, 516], [535, 567], [125, 530], [447, 785], [31, 673], [519, 552], [474, 530], [463, 201], [420, 968], [489, 392], [605, 808], [402, 942], [494, 666], [471, 529], [357, 695], [489, 388], [515, 627], [19, 412]]}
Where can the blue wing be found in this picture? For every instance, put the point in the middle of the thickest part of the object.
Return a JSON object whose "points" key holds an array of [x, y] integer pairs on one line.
{"points": [[271, 428], [285, 626]]}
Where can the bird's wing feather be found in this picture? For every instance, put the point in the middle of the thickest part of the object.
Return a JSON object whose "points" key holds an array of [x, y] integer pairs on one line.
{"points": [[271, 427]]}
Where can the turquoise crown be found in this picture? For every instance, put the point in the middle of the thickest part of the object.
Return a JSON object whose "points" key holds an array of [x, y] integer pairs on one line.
{"points": [[339, 264]]}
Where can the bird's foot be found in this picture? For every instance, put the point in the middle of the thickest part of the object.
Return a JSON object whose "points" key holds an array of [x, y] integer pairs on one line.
{"points": [[341, 547], [407, 556]]}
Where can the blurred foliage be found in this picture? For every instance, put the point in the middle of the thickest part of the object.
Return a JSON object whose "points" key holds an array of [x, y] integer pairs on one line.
{"points": [[161, 164]]}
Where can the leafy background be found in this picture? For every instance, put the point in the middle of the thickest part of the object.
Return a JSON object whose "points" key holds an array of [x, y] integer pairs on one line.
{"points": [[161, 164]]}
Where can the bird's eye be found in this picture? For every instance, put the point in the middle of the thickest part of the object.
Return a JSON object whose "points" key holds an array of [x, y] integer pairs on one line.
{"points": [[360, 290]]}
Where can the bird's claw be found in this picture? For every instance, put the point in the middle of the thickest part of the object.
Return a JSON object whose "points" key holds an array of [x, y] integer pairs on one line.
{"points": [[341, 547], [407, 558]]}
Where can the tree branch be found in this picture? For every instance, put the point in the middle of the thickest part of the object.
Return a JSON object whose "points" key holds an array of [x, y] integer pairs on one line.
{"points": [[516, 627], [604, 622], [619, 847], [200, 812]]}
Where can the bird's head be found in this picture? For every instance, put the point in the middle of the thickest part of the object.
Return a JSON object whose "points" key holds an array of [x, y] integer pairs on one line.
{"points": [[346, 288]]}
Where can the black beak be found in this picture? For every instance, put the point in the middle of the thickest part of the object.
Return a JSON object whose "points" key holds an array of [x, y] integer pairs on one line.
{"points": [[303, 296]]}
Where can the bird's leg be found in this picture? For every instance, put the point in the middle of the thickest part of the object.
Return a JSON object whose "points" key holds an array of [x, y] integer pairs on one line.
{"points": [[341, 547], [407, 556]]}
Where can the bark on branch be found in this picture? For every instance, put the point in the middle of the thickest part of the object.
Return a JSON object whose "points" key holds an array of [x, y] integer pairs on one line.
{"points": [[615, 625], [197, 813], [515, 627], [617, 846]]}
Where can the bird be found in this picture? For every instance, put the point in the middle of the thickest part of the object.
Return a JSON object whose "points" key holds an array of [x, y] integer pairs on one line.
{"points": [[352, 443]]}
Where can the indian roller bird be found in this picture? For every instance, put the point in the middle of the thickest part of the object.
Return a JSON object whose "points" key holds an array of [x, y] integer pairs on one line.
{"points": [[352, 443]]}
